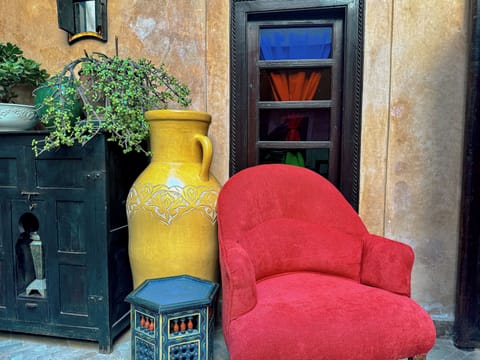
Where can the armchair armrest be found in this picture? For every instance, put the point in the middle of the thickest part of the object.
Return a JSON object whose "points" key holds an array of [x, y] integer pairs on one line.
{"points": [[386, 264], [238, 282]]}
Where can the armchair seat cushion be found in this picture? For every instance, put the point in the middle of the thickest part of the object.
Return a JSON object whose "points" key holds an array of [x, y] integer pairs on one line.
{"points": [[318, 316]]}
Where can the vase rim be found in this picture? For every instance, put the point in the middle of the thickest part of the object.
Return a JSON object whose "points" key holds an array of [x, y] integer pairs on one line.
{"points": [[166, 114], [19, 105]]}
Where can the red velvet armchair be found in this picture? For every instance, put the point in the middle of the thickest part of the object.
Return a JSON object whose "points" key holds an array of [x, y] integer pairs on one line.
{"points": [[303, 279]]}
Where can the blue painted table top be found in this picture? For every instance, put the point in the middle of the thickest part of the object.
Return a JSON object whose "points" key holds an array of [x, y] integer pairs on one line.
{"points": [[173, 292]]}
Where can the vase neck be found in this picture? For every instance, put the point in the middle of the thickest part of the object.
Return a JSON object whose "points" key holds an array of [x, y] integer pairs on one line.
{"points": [[174, 140]]}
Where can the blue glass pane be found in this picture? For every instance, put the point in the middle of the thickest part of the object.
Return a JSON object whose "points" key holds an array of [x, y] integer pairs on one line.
{"points": [[296, 43]]}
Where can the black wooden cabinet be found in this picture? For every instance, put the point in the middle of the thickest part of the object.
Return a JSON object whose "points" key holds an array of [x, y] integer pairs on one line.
{"points": [[72, 203]]}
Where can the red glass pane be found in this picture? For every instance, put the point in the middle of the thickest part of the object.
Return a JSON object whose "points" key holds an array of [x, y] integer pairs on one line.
{"points": [[295, 84]]}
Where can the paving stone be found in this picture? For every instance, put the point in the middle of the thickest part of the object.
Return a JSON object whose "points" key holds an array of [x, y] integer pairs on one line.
{"points": [[15, 346]]}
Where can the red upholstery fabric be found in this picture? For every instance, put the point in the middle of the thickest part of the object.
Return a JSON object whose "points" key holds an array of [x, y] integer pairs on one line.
{"points": [[313, 316], [321, 249], [303, 279], [238, 280], [393, 258]]}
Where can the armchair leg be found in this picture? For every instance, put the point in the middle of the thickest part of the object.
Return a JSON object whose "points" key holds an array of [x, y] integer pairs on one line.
{"points": [[418, 357]]}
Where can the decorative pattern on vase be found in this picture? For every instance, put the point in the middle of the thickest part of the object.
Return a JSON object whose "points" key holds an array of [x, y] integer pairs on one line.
{"points": [[171, 202], [14, 117], [23, 113], [171, 207]]}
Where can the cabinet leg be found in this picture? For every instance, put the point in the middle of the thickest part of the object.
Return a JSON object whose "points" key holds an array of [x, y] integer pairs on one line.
{"points": [[105, 346]]}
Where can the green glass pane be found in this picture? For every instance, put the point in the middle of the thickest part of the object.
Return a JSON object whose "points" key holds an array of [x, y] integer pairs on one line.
{"points": [[313, 159]]}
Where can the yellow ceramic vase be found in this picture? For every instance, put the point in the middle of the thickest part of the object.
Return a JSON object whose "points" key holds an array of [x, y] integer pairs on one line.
{"points": [[171, 207]]}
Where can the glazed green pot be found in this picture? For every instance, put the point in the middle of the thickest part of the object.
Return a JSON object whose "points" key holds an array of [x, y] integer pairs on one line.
{"points": [[45, 91]]}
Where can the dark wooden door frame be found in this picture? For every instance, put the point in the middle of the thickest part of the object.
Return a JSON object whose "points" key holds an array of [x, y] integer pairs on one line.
{"points": [[467, 315], [351, 82]]}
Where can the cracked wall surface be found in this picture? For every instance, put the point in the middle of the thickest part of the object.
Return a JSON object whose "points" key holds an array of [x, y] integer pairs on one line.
{"points": [[412, 136], [190, 36], [413, 105]]}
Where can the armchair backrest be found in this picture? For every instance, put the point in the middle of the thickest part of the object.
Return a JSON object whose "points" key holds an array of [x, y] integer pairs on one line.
{"points": [[287, 218]]}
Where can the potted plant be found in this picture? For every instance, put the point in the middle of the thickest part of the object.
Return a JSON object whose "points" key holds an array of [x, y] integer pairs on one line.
{"points": [[175, 195], [15, 71], [115, 93]]}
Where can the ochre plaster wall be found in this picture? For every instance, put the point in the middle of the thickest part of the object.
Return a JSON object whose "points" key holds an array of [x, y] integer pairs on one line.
{"points": [[412, 136], [170, 31], [413, 105]]}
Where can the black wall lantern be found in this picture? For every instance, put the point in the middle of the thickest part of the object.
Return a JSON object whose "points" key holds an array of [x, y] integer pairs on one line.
{"points": [[83, 19]]}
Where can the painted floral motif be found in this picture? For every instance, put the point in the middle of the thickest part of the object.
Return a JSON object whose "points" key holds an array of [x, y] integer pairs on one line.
{"points": [[169, 203], [17, 117]]}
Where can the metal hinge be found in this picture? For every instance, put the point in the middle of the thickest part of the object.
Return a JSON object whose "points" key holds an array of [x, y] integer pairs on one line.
{"points": [[29, 195], [95, 298], [94, 175]]}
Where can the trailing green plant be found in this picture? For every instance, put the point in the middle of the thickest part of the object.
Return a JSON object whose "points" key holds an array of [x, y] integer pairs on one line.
{"points": [[115, 92], [15, 69]]}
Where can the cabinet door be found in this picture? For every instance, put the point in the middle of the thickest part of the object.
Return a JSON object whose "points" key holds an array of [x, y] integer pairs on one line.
{"points": [[70, 185], [13, 178], [14, 170], [73, 260], [6, 262]]}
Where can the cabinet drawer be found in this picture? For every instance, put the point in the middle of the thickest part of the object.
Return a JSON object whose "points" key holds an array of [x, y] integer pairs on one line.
{"points": [[32, 310]]}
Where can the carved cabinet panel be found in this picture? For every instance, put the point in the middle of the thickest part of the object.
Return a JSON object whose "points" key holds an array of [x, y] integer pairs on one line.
{"points": [[64, 267]]}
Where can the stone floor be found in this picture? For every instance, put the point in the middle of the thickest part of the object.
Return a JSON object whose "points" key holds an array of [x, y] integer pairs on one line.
{"points": [[31, 347]]}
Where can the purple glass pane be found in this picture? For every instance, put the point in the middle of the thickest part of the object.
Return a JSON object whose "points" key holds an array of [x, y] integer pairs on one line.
{"points": [[299, 125]]}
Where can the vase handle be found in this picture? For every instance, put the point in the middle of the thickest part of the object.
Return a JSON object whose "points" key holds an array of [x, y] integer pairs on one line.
{"points": [[207, 150]]}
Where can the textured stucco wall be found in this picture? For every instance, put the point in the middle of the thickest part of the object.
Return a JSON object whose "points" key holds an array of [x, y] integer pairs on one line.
{"points": [[413, 105], [170, 31], [412, 136]]}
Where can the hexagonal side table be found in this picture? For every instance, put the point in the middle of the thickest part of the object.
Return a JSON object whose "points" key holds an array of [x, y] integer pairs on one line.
{"points": [[172, 318]]}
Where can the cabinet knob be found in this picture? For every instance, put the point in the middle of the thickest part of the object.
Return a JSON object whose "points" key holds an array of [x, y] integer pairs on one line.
{"points": [[30, 305], [94, 176], [95, 298]]}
